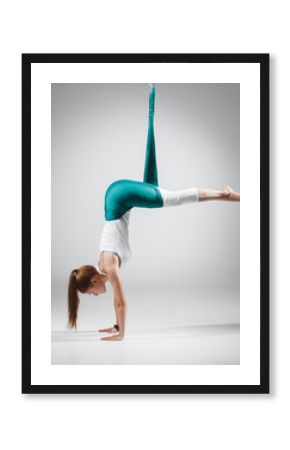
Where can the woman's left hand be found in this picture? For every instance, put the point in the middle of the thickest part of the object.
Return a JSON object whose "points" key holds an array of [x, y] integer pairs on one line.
{"points": [[108, 330], [115, 337]]}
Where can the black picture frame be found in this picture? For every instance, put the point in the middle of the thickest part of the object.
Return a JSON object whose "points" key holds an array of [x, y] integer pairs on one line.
{"points": [[263, 60]]}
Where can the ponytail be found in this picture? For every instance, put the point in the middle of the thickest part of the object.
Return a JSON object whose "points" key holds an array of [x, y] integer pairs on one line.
{"points": [[79, 280], [73, 300]]}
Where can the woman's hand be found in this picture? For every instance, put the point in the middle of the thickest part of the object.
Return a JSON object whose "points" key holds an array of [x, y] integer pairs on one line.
{"points": [[108, 330], [114, 337]]}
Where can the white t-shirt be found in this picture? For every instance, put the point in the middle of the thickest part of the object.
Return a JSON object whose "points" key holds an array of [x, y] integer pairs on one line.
{"points": [[115, 237]]}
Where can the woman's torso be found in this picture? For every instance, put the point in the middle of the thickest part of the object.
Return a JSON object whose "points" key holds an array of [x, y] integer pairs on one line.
{"points": [[115, 237]]}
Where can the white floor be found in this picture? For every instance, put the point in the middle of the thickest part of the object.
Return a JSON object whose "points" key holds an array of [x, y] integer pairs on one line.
{"points": [[193, 326]]}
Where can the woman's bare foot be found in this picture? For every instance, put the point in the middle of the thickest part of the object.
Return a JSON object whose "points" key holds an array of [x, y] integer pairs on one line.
{"points": [[230, 194]]}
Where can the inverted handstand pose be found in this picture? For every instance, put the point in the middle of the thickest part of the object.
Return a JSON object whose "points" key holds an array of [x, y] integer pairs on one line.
{"points": [[121, 196]]}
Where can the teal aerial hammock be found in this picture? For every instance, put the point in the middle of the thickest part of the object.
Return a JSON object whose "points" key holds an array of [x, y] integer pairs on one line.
{"points": [[150, 169], [125, 194]]}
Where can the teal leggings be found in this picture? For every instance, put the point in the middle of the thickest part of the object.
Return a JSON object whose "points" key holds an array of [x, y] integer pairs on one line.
{"points": [[125, 194]]}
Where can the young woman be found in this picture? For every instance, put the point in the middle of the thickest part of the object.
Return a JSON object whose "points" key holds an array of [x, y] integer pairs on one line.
{"points": [[121, 196]]}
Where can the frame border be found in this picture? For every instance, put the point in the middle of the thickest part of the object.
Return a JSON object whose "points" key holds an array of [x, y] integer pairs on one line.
{"points": [[263, 60]]}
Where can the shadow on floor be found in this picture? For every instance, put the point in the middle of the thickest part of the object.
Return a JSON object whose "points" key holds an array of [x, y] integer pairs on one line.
{"points": [[158, 333]]}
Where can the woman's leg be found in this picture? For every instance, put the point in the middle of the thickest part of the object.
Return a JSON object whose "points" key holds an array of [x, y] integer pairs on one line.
{"points": [[193, 195], [150, 169]]}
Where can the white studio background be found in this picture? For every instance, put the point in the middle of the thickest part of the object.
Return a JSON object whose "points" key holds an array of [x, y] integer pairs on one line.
{"points": [[184, 274], [205, 421], [99, 134]]}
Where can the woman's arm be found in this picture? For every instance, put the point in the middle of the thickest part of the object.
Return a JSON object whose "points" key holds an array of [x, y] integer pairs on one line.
{"points": [[120, 303], [115, 328]]}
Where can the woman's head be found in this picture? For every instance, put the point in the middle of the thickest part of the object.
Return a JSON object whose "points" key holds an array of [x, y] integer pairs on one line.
{"points": [[86, 279]]}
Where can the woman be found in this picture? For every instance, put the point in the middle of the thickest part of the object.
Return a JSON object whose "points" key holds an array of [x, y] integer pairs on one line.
{"points": [[121, 196]]}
